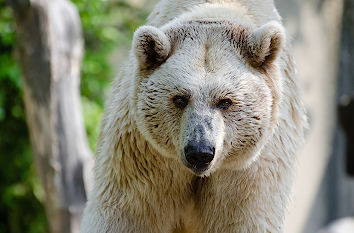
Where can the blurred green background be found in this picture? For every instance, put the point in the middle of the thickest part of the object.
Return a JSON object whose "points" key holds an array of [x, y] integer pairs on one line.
{"points": [[108, 26]]}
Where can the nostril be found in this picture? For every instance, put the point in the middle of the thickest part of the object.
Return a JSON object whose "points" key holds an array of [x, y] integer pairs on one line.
{"points": [[213, 150]]}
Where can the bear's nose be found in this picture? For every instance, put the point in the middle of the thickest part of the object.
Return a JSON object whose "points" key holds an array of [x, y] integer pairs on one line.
{"points": [[199, 155]]}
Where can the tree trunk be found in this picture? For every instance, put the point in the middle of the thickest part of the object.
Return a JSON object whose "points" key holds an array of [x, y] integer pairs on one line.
{"points": [[49, 52]]}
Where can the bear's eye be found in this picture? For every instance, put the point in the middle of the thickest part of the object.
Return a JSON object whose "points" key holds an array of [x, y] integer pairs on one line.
{"points": [[180, 101], [224, 104]]}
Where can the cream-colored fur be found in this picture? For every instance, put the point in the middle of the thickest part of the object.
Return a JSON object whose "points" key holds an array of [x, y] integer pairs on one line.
{"points": [[205, 51]]}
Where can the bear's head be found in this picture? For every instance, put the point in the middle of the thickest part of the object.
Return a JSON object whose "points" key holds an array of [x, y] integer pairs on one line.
{"points": [[207, 92]]}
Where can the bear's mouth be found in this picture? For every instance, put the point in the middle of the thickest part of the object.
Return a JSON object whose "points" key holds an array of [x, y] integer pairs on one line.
{"points": [[198, 169]]}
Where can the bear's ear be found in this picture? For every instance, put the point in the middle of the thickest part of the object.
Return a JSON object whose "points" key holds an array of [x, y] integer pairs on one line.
{"points": [[264, 45], [151, 47]]}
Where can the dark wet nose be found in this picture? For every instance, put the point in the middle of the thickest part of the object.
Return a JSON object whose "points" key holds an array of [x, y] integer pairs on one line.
{"points": [[199, 155]]}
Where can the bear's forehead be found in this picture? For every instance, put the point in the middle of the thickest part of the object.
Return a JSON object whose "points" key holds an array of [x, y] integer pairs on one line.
{"points": [[198, 55], [198, 47], [201, 72]]}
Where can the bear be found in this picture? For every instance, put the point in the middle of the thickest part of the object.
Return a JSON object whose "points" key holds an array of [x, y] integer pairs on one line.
{"points": [[203, 122]]}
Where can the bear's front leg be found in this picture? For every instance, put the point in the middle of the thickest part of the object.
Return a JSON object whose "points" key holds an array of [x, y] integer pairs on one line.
{"points": [[242, 201], [125, 215], [151, 205]]}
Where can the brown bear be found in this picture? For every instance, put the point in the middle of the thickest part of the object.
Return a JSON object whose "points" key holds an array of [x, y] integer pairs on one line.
{"points": [[202, 126]]}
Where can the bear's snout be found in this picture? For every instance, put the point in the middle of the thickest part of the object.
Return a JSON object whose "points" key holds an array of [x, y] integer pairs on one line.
{"points": [[199, 155]]}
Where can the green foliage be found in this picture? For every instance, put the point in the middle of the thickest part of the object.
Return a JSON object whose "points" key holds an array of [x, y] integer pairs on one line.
{"points": [[107, 26]]}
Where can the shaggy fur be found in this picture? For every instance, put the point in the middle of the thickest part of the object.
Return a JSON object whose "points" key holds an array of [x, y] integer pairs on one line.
{"points": [[203, 52]]}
